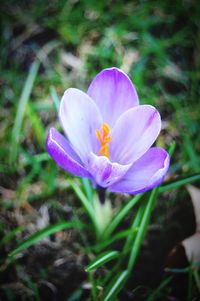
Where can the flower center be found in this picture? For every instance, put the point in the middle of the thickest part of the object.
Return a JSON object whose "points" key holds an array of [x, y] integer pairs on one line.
{"points": [[104, 138]]}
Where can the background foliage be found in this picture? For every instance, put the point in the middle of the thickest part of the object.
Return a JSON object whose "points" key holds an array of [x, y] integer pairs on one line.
{"points": [[46, 47]]}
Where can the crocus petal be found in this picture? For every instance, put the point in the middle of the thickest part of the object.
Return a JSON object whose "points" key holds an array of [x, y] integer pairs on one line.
{"points": [[134, 133], [103, 171], [146, 173], [80, 117], [114, 93], [61, 151]]}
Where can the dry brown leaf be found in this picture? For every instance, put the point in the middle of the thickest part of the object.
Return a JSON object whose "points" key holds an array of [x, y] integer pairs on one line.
{"points": [[70, 60], [130, 57], [192, 248], [191, 244], [195, 197]]}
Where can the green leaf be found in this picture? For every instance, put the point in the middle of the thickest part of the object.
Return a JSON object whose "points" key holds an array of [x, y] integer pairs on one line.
{"points": [[157, 292], [10, 235], [76, 295], [35, 120], [130, 238], [55, 98], [85, 202], [134, 229], [101, 260], [88, 188], [115, 286], [105, 243], [142, 228], [120, 215], [179, 182], [21, 109], [172, 148], [39, 235]]}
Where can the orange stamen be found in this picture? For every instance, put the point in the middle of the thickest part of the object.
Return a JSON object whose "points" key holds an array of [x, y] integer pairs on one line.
{"points": [[104, 138]]}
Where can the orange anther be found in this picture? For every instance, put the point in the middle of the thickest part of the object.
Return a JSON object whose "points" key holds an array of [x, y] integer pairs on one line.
{"points": [[104, 138]]}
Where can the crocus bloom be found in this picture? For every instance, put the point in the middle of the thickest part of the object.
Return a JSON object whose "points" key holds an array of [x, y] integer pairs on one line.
{"points": [[109, 136]]}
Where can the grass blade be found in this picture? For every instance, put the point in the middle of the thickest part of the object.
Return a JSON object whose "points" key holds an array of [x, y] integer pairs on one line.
{"points": [[21, 110], [10, 235], [39, 131], [120, 215], [105, 243], [157, 292], [132, 232], [88, 188], [134, 229], [101, 260], [142, 229], [85, 202], [39, 235], [178, 183], [172, 148], [55, 98], [115, 286]]}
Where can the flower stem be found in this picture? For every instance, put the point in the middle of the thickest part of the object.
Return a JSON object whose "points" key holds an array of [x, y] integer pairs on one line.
{"points": [[102, 194]]}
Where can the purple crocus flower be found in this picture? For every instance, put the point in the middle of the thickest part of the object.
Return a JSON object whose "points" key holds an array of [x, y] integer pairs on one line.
{"points": [[109, 136]]}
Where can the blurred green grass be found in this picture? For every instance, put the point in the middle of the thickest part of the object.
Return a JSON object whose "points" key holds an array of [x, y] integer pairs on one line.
{"points": [[48, 46]]}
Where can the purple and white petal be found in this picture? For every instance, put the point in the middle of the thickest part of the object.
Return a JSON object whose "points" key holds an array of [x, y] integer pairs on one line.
{"points": [[114, 93], [146, 173], [60, 150], [134, 133], [104, 172], [80, 117]]}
